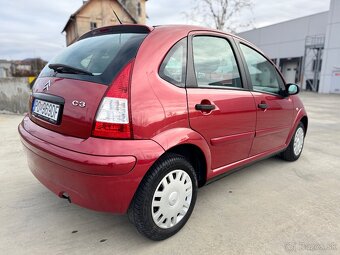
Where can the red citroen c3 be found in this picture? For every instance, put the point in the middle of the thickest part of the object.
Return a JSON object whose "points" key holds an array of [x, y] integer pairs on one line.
{"points": [[133, 119]]}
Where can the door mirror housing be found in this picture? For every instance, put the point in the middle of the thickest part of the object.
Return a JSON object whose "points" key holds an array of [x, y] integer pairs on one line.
{"points": [[292, 89]]}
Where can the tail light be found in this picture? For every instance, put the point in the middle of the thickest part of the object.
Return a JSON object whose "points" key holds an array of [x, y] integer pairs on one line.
{"points": [[112, 119]]}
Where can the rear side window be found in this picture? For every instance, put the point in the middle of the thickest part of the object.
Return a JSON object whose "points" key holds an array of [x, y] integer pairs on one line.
{"points": [[215, 63], [173, 67], [103, 56], [263, 74]]}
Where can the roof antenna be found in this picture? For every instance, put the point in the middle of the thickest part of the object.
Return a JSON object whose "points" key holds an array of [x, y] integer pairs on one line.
{"points": [[116, 16]]}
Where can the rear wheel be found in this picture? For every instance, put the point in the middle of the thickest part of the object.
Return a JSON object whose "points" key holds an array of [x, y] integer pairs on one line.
{"points": [[295, 146], [165, 199]]}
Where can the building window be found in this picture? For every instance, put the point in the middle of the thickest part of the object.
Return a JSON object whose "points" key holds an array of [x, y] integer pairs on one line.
{"points": [[139, 9], [314, 65], [93, 25]]}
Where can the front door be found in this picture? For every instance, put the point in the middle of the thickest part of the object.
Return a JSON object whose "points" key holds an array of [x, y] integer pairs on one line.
{"points": [[274, 112], [220, 108]]}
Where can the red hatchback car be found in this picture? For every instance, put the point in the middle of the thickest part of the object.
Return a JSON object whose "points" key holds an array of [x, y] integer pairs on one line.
{"points": [[133, 119]]}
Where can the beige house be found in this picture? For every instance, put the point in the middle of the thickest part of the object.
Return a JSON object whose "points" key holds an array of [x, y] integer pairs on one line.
{"points": [[99, 13]]}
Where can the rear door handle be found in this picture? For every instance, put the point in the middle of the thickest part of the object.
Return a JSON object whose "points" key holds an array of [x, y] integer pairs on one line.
{"points": [[204, 107], [262, 105]]}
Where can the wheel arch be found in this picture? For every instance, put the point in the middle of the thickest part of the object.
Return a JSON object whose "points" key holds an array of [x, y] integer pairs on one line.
{"points": [[301, 116], [195, 157], [189, 144], [304, 121]]}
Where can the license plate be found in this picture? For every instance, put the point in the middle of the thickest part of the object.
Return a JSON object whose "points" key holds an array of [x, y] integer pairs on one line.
{"points": [[46, 110]]}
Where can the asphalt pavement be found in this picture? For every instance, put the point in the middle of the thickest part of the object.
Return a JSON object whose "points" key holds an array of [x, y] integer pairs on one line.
{"points": [[270, 207]]}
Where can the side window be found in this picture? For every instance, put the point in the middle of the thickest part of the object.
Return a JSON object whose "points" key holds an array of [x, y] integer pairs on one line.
{"points": [[173, 67], [215, 63], [263, 74]]}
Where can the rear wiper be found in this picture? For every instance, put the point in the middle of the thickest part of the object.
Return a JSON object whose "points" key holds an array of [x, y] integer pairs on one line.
{"points": [[61, 68]]}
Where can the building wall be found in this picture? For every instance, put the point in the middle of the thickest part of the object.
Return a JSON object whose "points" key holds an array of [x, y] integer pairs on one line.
{"points": [[287, 39], [330, 72], [132, 6], [285, 42], [23, 67], [142, 19], [100, 12], [71, 32]]}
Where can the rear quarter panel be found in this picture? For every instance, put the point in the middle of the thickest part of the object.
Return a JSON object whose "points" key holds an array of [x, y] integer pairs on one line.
{"points": [[156, 105], [159, 109]]}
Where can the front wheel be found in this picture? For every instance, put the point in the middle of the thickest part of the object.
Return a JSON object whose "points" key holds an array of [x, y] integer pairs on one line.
{"points": [[165, 199], [294, 149]]}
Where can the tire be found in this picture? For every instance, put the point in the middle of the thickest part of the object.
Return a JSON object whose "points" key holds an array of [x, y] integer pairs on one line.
{"points": [[165, 198], [294, 149]]}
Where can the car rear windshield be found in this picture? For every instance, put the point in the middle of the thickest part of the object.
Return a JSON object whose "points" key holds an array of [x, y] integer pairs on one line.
{"points": [[101, 57]]}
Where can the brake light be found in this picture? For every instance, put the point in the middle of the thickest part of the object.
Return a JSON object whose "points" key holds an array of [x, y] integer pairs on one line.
{"points": [[112, 119]]}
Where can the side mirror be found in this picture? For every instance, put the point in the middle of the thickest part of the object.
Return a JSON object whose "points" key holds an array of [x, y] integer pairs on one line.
{"points": [[292, 89]]}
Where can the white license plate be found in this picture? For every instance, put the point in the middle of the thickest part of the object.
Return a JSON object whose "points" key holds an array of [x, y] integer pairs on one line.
{"points": [[46, 110]]}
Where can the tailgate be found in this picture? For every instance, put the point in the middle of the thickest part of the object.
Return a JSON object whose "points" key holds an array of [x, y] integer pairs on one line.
{"points": [[77, 100]]}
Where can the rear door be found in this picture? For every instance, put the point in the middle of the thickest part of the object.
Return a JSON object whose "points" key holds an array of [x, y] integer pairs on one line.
{"points": [[220, 107], [274, 111]]}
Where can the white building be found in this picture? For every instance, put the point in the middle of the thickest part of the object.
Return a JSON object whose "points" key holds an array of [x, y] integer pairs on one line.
{"points": [[23, 67], [307, 49]]}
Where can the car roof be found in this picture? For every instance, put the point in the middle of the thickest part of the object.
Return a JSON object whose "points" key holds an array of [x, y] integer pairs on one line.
{"points": [[172, 28], [183, 28], [191, 28]]}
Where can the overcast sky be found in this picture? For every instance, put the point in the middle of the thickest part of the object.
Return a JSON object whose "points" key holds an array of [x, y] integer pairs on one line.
{"points": [[33, 28]]}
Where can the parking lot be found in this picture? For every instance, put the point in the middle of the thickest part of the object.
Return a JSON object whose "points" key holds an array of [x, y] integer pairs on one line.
{"points": [[271, 207]]}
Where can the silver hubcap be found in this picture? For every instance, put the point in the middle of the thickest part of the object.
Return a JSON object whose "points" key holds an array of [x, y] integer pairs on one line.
{"points": [[172, 199], [298, 141]]}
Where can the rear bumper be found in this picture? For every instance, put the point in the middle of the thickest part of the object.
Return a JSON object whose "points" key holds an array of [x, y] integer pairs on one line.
{"points": [[99, 182]]}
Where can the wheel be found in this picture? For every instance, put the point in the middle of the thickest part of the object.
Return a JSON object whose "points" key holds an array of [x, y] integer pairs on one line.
{"points": [[294, 149], [165, 198]]}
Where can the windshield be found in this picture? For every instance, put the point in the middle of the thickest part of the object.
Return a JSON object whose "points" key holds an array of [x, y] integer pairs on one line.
{"points": [[101, 56]]}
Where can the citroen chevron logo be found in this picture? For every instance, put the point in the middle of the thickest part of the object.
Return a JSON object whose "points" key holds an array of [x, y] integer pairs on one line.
{"points": [[47, 85]]}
